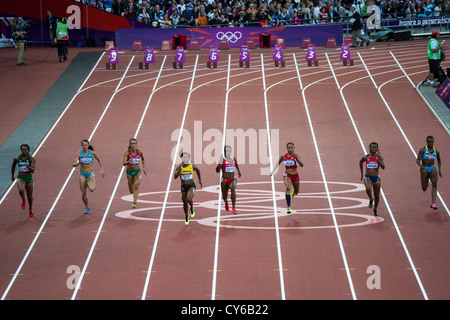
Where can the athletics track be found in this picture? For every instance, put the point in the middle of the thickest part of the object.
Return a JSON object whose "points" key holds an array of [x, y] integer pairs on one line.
{"points": [[327, 249]]}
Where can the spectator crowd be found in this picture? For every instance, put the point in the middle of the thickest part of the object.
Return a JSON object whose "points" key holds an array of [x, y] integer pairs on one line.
{"points": [[204, 13]]}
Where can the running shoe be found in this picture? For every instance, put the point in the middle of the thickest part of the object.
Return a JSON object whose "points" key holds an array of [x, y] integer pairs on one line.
{"points": [[133, 206], [186, 220], [23, 205], [289, 210], [30, 213], [433, 206], [292, 194], [192, 212], [370, 203], [227, 208], [86, 211], [234, 211], [375, 213]]}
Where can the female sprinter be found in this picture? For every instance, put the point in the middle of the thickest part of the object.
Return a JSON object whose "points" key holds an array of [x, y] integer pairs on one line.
{"points": [[131, 159], [228, 165], [373, 161], [85, 158], [425, 160], [25, 177], [186, 173], [291, 177]]}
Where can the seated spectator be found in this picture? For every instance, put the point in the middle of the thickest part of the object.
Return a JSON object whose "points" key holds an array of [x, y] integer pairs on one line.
{"points": [[202, 19], [215, 20], [323, 15], [224, 22], [182, 23], [428, 8], [210, 9], [341, 14], [295, 20], [241, 17], [181, 7], [188, 15], [119, 6], [284, 18], [130, 11], [157, 13], [172, 8], [174, 19], [144, 16], [437, 9], [333, 16], [228, 13], [252, 21], [164, 22]]}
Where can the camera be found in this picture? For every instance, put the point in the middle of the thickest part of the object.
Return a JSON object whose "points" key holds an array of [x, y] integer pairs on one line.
{"points": [[25, 25]]}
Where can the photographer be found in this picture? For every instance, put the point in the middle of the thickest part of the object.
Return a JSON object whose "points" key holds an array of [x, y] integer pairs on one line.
{"points": [[20, 36], [62, 36]]}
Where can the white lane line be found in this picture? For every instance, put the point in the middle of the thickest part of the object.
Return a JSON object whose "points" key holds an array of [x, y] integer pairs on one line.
{"points": [[274, 200], [56, 200], [399, 234], [219, 200], [175, 155], [325, 183], [94, 244]]}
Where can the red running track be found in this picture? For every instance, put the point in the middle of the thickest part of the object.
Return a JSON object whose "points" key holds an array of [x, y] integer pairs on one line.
{"points": [[327, 249]]}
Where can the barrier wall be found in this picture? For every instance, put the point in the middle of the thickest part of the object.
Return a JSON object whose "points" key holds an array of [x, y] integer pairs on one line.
{"points": [[235, 37]]}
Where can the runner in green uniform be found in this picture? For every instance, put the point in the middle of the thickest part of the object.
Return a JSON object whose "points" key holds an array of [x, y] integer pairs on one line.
{"points": [[26, 164]]}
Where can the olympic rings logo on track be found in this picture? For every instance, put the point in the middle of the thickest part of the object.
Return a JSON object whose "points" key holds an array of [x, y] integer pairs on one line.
{"points": [[232, 37], [256, 206]]}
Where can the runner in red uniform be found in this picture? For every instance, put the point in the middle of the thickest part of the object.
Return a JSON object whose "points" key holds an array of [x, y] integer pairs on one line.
{"points": [[291, 177], [373, 161], [228, 165]]}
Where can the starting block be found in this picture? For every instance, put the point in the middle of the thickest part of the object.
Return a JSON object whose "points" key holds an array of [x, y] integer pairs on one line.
{"points": [[149, 57], [278, 57], [311, 57], [109, 45], [193, 45], [213, 57], [250, 43], [113, 59], [137, 45], [223, 44], [306, 42], [180, 58], [348, 40], [280, 41], [346, 55], [165, 45], [331, 43], [244, 57]]}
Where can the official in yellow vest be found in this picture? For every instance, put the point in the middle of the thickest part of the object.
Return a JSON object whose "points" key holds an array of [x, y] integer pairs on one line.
{"points": [[62, 36], [434, 59]]}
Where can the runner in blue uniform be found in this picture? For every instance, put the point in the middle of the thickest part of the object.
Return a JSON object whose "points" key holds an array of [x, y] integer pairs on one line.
{"points": [[85, 159], [428, 170]]}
